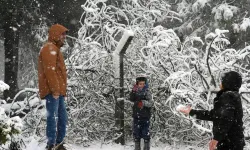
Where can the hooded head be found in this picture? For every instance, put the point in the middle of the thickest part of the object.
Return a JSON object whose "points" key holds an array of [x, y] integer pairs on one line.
{"points": [[231, 81], [55, 34]]}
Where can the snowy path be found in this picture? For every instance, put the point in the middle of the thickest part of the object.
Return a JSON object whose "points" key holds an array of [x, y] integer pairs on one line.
{"points": [[33, 145]]}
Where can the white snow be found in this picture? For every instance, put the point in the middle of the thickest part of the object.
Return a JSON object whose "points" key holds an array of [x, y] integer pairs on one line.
{"points": [[199, 4], [198, 39], [35, 145], [89, 9], [16, 123], [126, 35], [53, 52], [116, 59], [3, 86], [236, 28], [224, 11], [221, 32], [9, 124], [2, 113], [14, 28], [245, 24]]}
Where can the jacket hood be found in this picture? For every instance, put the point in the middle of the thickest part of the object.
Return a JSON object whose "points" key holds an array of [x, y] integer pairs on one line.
{"points": [[231, 81], [55, 32]]}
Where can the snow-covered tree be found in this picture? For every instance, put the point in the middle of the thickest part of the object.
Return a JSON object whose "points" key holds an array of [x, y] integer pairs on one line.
{"points": [[201, 17]]}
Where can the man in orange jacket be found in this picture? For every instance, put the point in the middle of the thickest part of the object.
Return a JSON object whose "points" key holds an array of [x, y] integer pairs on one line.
{"points": [[52, 85]]}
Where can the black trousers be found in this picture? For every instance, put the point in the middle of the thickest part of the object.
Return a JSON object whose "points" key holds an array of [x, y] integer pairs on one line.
{"points": [[141, 129]]}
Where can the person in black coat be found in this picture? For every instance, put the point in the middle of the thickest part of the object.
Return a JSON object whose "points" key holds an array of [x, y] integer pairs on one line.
{"points": [[142, 99], [226, 116]]}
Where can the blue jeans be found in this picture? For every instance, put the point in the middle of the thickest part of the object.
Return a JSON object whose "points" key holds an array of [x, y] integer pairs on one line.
{"points": [[56, 119], [141, 129]]}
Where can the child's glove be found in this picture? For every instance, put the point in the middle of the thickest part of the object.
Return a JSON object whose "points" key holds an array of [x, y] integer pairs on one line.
{"points": [[135, 88], [140, 104]]}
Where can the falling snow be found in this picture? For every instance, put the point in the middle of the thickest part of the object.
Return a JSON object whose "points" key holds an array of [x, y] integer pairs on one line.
{"points": [[183, 48]]}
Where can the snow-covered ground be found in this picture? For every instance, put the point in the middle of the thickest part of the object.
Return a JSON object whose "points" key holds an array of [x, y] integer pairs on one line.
{"points": [[97, 146], [34, 145]]}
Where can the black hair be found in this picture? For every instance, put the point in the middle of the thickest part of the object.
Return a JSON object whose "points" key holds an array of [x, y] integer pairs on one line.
{"points": [[138, 79]]}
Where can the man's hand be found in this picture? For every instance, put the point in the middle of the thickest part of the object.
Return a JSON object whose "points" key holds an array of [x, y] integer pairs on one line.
{"points": [[213, 145], [56, 97], [185, 110]]}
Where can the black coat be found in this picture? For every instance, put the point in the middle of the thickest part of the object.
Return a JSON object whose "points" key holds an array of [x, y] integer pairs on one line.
{"points": [[146, 98], [227, 120]]}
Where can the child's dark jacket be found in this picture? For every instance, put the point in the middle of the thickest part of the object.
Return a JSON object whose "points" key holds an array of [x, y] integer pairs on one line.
{"points": [[143, 95]]}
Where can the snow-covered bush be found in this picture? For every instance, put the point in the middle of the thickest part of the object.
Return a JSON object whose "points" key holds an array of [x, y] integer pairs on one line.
{"points": [[9, 127], [224, 11], [22, 121]]}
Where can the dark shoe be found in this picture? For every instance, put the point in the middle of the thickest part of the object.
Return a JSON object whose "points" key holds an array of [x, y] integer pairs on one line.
{"points": [[60, 147], [49, 147], [146, 145], [137, 144]]}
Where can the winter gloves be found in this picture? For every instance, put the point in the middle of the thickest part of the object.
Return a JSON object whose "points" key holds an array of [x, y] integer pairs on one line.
{"points": [[140, 104], [135, 88]]}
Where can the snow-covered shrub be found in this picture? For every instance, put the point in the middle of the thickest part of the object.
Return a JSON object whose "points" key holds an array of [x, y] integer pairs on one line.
{"points": [[224, 11], [9, 127], [27, 119]]}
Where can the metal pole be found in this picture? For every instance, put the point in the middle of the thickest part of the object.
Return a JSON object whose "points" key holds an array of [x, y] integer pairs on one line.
{"points": [[119, 69]]}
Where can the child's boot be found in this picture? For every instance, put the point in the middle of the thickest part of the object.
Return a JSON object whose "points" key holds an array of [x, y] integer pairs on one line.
{"points": [[137, 144], [146, 145]]}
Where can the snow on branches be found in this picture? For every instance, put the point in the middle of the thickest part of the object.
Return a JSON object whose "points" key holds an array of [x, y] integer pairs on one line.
{"points": [[224, 11], [3, 86], [91, 75], [9, 127]]}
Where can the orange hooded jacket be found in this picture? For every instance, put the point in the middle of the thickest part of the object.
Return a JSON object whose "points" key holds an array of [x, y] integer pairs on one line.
{"points": [[52, 75]]}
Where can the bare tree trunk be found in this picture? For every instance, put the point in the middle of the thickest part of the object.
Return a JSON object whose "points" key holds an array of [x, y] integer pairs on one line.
{"points": [[11, 41]]}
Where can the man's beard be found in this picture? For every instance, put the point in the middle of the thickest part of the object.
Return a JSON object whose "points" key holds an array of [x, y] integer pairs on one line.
{"points": [[60, 43]]}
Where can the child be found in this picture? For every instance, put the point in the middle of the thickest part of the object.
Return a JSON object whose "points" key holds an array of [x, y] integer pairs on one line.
{"points": [[142, 99], [226, 115]]}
